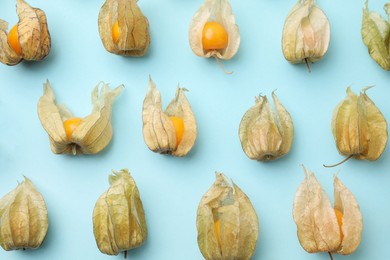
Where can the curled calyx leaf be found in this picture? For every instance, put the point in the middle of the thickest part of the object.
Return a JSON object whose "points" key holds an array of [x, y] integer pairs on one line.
{"points": [[74, 135], [359, 128], [118, 217], [321, 227], [375, 34], [213, 31], [123, 28], [264, 134], [227, 223], [28, 40], [172, 131], [306, 33], [23, 218]]}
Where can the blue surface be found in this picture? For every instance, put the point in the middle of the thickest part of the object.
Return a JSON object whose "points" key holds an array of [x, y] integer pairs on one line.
{"points": [[171, 188]]}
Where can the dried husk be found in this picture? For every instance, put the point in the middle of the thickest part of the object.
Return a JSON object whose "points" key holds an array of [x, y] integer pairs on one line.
{"points": [[306, 33], [219, 11], [375, 34], [239, 226], [23, 218], [359, 128], [134, 26], [318, 229], [265, 135], [93, 133], [34, 37], [158, 130], [118, 217]]}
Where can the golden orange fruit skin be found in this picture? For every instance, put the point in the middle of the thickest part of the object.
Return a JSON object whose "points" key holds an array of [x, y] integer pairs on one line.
{"points": [[13, 40], [70, 125], [178, 124], [214, 36], [339, 217], [116, 32], [217, 225]]}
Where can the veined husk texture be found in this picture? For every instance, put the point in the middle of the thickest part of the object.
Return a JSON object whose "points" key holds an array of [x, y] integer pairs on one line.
{"points": [[219, 11], [23, 218], [306, 33], [239, 226], [158, 130], [134, 39], [375, 34], [118, 217], [264, 134], [359, 128], [93, 133], [318, 229], [34, 37]]}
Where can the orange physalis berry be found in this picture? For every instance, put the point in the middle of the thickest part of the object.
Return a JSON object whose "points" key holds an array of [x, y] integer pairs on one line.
{"points": [[13, 40], [217, 225], [214, 36], [70, 125], [178, 124], [339, 217], [116, 32]]}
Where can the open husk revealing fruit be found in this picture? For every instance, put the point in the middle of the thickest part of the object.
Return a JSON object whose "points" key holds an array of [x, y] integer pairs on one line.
{"points": [[265, 135], [118, 217], [213, 31], [172, 131], [23, 218], [73, 135], [321, 227], [227, 223], [375, 34], [306, 33], [29, 39], [359, 128], [123, 28]]}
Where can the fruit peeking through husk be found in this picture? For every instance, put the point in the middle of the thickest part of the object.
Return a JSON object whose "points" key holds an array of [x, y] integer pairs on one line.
{"points": [[227, 223], [118, 217], [213, 31], [172, 131], [264, 134], [123, 28], [29, 39], [23, 218], [359, 128], [321, 227], [375, 34], [306, 33], [73, 135]]}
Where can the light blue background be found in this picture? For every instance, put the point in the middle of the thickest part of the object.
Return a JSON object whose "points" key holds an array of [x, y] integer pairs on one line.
{"points": [[171, 188]]}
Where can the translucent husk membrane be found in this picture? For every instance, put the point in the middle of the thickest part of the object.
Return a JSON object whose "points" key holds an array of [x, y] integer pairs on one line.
{"points": [[264, 134], [318, 228], [118, 217], [34, 37], [93, 133], [158, 130], [226, 203], [306, 33], [23, 218], [134, 39]]}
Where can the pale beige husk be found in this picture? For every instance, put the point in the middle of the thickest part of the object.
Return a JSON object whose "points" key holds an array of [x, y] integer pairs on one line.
{"points": [[265, 135], [23, 218], [306, 33], [318, 229], [239, 226], [219, 11], [93, 133], [359, 128], [118, 217], [158, 130], [134, 39], [34, 36], [375, 35]]}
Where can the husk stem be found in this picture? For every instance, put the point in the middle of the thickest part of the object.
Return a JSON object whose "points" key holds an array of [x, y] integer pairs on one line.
{"points": [[337, 164], [330, 255], [221, 66]]}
